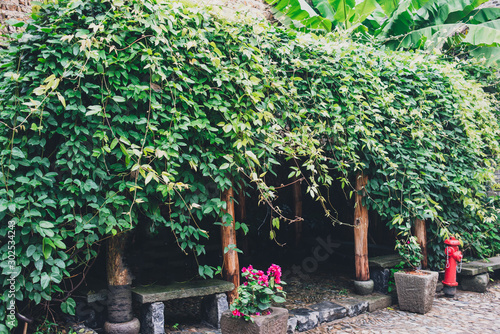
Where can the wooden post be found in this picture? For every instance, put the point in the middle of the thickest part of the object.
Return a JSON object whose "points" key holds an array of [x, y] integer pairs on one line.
{"points": [[420, 232], [120, 316], [231, 263], [361, 230], [242, 216], [297, 204]]}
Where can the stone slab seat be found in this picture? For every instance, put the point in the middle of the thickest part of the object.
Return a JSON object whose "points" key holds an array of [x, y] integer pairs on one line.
{"points": [[161, 293], [480, 267], [379, 270], [384, 261], [153, 296]]}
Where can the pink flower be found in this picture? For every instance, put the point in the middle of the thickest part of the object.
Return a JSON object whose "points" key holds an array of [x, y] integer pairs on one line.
{"points": [[245, 284], [408, 242], [237, 313], [257, 313], [263, 280], [275, 271]]}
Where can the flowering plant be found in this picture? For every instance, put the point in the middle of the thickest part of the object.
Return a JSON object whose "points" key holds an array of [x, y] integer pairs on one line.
{"points": [[257, 292], [410, 251]]}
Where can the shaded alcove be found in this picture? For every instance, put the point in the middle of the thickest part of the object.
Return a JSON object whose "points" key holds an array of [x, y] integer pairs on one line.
{"points": [[325, 254]]}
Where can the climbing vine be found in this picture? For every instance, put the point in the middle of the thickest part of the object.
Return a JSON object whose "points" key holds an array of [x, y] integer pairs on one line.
{"points": [[116, 111]]}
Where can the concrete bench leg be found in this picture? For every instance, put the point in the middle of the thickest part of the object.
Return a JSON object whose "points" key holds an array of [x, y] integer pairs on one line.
{"points": [[153, 318], [212, 308]]}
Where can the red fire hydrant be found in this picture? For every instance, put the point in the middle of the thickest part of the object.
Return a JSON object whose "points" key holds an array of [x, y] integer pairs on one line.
{"points": [[453, 255]]}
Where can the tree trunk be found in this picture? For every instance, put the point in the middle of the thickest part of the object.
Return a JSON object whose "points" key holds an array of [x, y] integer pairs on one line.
{"points": [[361, 230], [421, 234], [231, 263], [297, 204]]}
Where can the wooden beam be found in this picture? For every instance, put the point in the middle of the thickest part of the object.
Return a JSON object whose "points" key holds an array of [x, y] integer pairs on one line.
{"points": [[242, 217], [361, 230], [420, 232], [297, 204], [231, 264]]}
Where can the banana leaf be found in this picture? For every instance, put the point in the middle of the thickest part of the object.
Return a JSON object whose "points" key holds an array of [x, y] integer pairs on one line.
{"points": [[483, 15], [460, 14], [363, 10], [344, 9], [324, 8], [485, 34], [290, 12], [491, 55]]}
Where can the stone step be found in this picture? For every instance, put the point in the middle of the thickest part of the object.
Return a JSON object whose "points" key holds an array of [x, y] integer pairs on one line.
{"points": [[376, 301], [353, 306], [329, 311], [306, 318]]}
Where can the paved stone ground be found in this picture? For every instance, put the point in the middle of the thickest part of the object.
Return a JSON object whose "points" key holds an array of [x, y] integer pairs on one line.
{"points": [[468, 312]]}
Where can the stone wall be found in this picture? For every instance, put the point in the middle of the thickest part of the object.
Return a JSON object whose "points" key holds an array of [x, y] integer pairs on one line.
{"points": [[13, 9]]}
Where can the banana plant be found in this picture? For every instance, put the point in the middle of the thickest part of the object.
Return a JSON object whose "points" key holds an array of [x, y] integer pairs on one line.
{"points": [[323, 14], [404, 24]]}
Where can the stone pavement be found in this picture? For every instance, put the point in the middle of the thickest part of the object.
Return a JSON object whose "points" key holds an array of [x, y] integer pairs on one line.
{"points": [[467, 312]]}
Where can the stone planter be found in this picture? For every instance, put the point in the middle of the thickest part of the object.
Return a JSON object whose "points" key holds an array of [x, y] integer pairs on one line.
{"points": [[274, 323], [416, 292]]}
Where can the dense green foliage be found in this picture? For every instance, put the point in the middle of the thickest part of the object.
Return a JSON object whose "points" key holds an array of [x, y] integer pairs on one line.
{"points": [[117, 111], [404, 24]]}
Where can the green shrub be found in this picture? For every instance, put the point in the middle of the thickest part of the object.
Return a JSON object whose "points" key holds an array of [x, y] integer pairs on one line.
{"points": [[111, 111]]}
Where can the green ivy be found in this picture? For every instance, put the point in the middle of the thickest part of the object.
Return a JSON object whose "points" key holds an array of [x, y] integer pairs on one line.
{"points": [[116, 111]]}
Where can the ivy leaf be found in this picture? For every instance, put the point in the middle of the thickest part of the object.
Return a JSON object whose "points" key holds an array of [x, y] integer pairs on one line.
{"points": [[68, 306], [61, 99], [93, 110], [17, 153], [118, 99], [31, 249], [44, 280], [253, 157]]}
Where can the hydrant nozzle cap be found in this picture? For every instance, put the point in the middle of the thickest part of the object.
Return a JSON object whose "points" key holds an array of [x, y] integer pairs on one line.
{"points": [[452, 242]]}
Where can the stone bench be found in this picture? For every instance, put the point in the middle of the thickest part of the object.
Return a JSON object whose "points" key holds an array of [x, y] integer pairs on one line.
{"points": [[379, 270], [474, 275], [152, 297]]}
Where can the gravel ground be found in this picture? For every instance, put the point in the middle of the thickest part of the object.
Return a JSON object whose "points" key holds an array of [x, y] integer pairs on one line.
{"points": [[468, 312]]}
